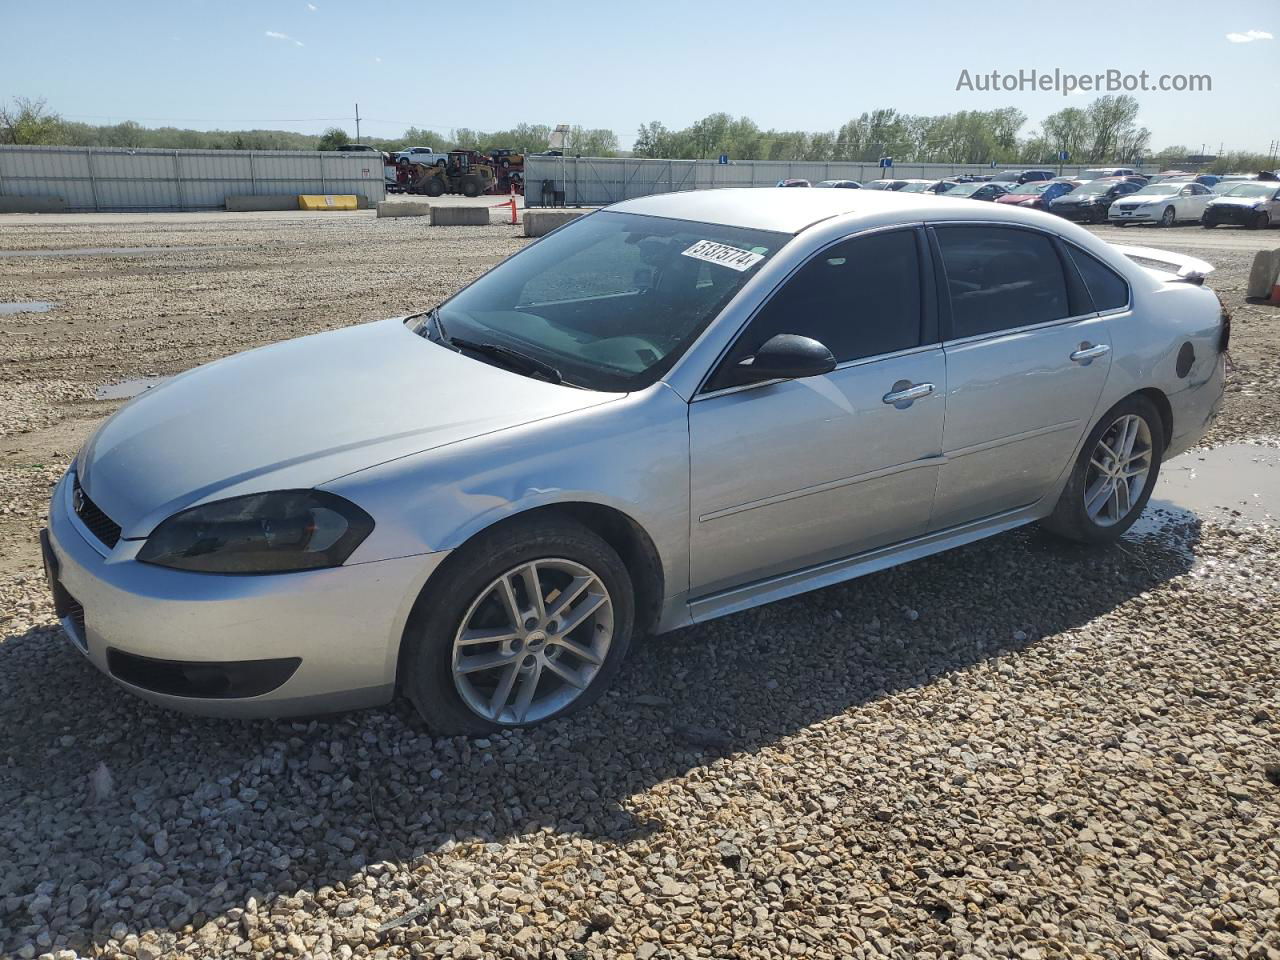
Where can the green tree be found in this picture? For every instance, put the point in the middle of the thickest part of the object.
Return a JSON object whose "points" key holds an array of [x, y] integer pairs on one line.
{"points": [[29, 121], [334, 138]]}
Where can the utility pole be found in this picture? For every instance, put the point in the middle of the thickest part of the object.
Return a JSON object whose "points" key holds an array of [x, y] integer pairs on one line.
{"points": [[358, 140]]}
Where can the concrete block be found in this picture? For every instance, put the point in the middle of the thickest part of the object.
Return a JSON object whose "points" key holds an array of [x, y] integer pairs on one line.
{"points": [[33, 205], [327, 201], [240, 203], [538, 223], [459, 216], [1263, 276], [403, 208]]}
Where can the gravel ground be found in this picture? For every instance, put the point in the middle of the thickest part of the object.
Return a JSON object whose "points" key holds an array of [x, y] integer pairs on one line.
{"points": [[1017, 749]]}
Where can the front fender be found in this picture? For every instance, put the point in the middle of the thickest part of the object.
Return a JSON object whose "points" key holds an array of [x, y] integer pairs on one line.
{"points": [[631, 455]]}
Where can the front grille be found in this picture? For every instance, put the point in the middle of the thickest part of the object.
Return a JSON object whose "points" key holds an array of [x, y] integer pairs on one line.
{"points": [[99, 524]]}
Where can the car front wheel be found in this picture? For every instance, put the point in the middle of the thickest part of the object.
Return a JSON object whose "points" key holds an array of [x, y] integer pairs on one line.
{"points": [[1169, 218], [1114, 475], [526, 623]]}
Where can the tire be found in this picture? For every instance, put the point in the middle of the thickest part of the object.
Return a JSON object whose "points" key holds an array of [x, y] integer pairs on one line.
{"points": [[1207, 224], [467, 596], [1073, 518], [1261, 221], [434, 187], [470, 187], [1169, 217]]}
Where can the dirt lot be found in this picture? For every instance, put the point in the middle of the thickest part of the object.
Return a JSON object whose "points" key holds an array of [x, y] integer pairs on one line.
{"points": [[1013, 750]]}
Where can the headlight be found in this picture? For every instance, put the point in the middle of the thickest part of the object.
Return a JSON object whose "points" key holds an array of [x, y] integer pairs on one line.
{"points": [[278, 532]]}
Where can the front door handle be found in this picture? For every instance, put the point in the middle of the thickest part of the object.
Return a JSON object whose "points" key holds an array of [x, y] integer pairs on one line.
{"points": [[1089, 352], [904, 392]]}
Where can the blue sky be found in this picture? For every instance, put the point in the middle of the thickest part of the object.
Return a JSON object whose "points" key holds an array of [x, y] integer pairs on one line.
{"points": [[290, 64]]}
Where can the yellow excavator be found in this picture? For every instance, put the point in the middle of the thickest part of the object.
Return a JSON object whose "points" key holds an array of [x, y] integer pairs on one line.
{"points": [[465, 171]]}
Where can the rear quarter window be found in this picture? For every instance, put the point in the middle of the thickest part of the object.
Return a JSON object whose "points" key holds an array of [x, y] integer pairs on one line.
{"points": [[1109, 290]]}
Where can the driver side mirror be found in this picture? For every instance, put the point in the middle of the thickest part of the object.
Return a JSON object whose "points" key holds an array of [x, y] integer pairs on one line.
{"points": [[786, 356]]}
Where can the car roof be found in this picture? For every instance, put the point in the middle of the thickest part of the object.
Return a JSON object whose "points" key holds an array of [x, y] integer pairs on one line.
{"points": [[791, 211]]}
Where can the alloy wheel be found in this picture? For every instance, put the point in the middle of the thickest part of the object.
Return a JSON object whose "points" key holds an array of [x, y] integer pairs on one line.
{"points": [[1118, 470], [532, 641], [1167, 219]]}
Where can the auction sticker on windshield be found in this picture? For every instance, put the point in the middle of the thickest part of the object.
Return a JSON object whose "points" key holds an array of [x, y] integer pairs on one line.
{"points": [[732, 257]]}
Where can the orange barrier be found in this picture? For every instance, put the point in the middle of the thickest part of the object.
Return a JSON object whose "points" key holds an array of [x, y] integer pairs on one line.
{"points": [[515, 217]]}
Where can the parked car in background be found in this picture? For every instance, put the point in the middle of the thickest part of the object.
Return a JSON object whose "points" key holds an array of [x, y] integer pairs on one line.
{"points": [[840, 184], [1089, 202], [1164, 203], [1204, 179], [884, 184], [705, 433], [422, 155], [1038, 194], [1022, 176], [1253, 204], [794, 182], [976, 191], [1105, 173], [929, 186]]}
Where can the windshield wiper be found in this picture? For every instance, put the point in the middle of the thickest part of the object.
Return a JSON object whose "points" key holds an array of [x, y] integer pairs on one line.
{"points": [[510, 357], [514, 359]]}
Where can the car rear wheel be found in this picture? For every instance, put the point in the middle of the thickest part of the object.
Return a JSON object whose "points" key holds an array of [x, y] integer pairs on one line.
{"points": [[525, 624], [1114, 475], [1169, 217]]}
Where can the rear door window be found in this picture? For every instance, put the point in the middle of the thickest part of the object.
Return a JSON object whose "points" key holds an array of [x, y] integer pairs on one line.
{"points": [[1000, 278]]}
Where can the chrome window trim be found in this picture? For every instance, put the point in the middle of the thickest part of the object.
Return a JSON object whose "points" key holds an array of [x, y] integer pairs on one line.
{"points": [[699, 393], [1027, 328]]}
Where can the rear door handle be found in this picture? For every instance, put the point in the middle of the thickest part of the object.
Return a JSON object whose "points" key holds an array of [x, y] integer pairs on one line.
{"points": [[1087, 352], [905, 392]]}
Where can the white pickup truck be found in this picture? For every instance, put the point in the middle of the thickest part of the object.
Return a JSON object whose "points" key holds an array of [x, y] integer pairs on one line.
{"points": [[421, 155]]}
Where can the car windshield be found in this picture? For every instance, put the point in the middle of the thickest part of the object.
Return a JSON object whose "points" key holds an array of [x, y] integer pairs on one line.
{"points": [[1094, 188], [1164, 189], [916, 188], [1032, 189], [963, 189], [610, 301], [1251, 189]]}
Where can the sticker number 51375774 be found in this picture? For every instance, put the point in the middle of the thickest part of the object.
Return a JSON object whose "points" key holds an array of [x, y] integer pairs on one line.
{"points": [[734, 258]]}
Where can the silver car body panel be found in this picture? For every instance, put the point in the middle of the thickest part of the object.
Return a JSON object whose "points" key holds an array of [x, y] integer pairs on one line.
{"points": [[746, 495]]}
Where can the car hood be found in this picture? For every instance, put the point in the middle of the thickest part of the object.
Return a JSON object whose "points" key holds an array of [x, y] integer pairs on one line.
{"points": [[1145, 198], [1236, 201], [299, 413]]}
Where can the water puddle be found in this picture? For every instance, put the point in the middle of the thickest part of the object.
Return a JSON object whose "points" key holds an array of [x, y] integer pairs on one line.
{"points": [[26, 306], [126, 389], [102, 251], [1235, 480]]}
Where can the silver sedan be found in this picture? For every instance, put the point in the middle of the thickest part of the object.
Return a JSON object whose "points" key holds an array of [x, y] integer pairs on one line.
{"points": [[669, 410]]}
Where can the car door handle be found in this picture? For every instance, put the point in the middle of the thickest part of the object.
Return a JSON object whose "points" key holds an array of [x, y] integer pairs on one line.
{"points": [[1087, 353], [908, 393]]}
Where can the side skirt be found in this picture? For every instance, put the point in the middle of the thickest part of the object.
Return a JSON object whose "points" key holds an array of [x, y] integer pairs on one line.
{"points": [[832, 572]]}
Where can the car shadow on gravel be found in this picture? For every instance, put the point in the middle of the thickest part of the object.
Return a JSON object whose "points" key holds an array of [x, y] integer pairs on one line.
{"points": [[113, 811]]}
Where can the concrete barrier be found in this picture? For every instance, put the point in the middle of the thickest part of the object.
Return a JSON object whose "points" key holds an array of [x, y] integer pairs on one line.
{"points": [[327, 201], [538, 223], [403, 208], [1264, 275], [459, 216], [33, 205], [243, 202]]}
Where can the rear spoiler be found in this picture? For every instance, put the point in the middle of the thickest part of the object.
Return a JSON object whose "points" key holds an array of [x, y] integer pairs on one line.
{"points": [[1188, 269]]}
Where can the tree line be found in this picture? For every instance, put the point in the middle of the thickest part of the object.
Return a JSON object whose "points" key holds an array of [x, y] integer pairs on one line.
{"points": [[1106, 130]]}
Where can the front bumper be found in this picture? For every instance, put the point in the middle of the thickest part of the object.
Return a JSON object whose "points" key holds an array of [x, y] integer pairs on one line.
{"points": [[1091, 214], [1242, 216], [138, 623], [1134, 216]]}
